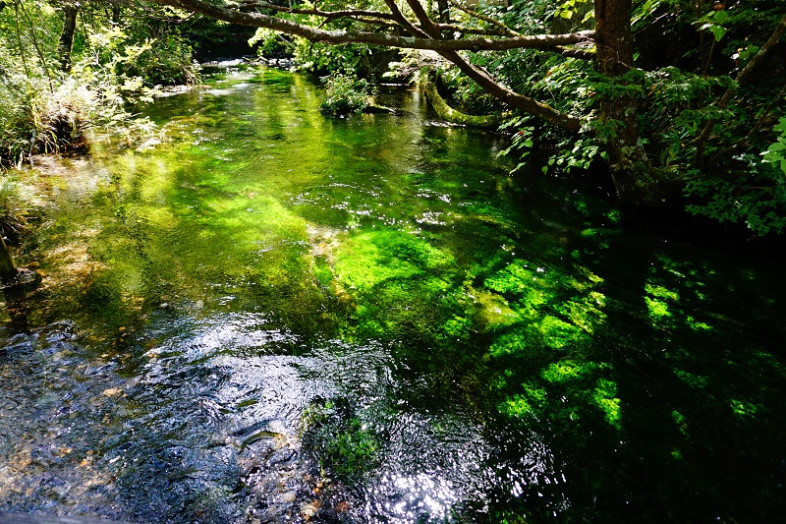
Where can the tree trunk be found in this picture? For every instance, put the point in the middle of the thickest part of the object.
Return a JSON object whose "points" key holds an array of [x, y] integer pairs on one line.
{"points": [[444, 13], [630, 168], [7, 266], [67, 38]]}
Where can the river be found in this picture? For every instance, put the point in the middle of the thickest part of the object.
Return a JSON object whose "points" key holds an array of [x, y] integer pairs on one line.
{"points": [[269, 315]]}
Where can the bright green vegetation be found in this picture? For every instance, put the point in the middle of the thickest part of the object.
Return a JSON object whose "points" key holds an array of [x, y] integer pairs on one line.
{"points": [[52, 95], [344, 95], [451, 115], [402, 319], [680, 108], [682, 102]]}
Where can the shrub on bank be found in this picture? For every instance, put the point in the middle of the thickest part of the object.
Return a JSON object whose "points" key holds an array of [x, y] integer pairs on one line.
{"points": [[44, 110], [53, 115], [344, 94]]}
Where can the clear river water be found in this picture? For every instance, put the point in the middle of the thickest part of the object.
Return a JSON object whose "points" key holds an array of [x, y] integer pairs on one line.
{"points": [[270, 315]]}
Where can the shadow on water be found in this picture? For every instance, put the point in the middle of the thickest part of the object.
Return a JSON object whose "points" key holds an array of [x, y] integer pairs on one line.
{"points": [[680, 383], [278, 317]]}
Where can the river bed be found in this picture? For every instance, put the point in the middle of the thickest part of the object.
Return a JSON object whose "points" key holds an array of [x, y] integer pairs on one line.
{"points": [[264, 314]]}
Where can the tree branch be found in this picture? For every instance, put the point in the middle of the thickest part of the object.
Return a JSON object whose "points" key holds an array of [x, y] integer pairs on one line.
{"points": [[742, 78], [487, 82], [330, 15], [426, 35], [570, 52], [402, 20], [423, 18], [507, 31], [350, 37], [467, 30]]}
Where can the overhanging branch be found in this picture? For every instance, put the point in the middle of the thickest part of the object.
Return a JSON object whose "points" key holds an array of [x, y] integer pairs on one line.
{"points": [[424, 34], [365, 37]]}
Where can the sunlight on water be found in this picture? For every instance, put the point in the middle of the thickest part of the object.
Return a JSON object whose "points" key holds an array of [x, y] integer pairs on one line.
{"points": [[268, 315]]}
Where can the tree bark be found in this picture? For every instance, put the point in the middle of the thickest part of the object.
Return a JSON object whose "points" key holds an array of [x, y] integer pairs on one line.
{"points": [[630, 167], [116, 12], [7, 266], [315, 34], [481, 76], [67, 37], [444, 13], [445, 112]]}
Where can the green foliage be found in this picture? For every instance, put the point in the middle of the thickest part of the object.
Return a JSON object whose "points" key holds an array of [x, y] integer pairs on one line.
{"points": [[738, 199], [713, 22], [323, 58], [113, 55], [41, 113], [269, 42], [776, 152], [45, 110], [674, 97], [167, 60], [578, 11], [344, 94]]}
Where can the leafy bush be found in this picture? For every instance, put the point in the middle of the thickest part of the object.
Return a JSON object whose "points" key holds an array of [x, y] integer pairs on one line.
{"points": [[269, 43], [685, 61], [113, 56], [345, 94], [166, 61], [776, 152], [43, 110], [42, 117], [754, 195]]}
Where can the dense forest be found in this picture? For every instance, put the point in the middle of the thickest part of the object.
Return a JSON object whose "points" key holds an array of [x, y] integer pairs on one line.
{"points": [[416, 261]]}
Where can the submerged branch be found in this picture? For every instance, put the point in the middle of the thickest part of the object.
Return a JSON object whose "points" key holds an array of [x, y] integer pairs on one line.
{"points": [[447, 113]]}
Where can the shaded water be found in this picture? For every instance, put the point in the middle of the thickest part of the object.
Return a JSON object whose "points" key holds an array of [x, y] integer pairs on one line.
{"points": [[274, 316]]}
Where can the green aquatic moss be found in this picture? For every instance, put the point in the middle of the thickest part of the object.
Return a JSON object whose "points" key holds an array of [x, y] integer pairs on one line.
{"points": [[492, 311], [658, 309], [659, 301], [345, 446], [547, 307], [681, 422], [353, 452], [562, 372], [557, 333], [516, 343], [274, 78], [530, 402], [366, 260], [605, 397], [693, 380], [743, 408], [696, 325]]}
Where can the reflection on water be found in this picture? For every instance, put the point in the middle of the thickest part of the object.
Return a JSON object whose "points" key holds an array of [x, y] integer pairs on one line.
{"points": [[274, 316]]}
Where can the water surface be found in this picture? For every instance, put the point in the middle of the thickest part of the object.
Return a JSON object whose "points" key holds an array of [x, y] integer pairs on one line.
{"points": [[269, 315]]}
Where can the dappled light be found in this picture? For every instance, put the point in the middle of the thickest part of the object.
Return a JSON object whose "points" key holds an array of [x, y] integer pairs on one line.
{"points": [[375, 323]]}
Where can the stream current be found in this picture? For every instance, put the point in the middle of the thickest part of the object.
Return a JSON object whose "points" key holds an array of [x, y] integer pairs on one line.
{"points": [[270, 315]]}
